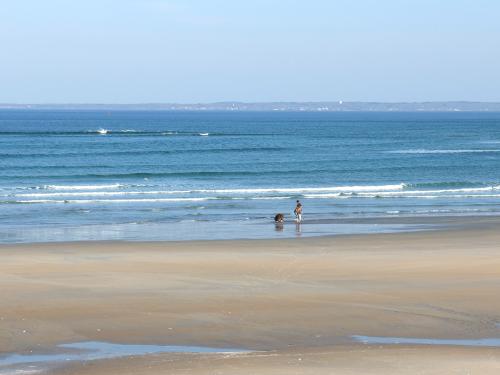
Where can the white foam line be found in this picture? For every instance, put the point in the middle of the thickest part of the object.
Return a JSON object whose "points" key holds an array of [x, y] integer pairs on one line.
{"points": [[146, 200], [322, 196], [465, 190], [383, 195], [308, 196], [308, 189], [102, 193], [437, 196], [170, 192], [81, 187], [269, 198], [299, 190]]}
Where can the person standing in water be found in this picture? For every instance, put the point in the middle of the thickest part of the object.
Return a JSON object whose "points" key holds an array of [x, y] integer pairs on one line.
{"points": [[298, 212]]}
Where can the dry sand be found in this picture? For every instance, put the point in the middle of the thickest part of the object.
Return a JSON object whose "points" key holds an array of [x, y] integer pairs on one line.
{"points": [[295, 301]]}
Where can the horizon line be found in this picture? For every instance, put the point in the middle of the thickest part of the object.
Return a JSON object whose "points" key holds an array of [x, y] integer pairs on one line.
{"points": [[257, 102], [228, 106]]}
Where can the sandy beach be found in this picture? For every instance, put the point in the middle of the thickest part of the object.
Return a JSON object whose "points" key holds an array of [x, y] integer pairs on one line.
{"points": [[296, 303]]}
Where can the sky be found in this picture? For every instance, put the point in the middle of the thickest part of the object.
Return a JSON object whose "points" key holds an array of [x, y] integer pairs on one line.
{"points": [[192, 51]]}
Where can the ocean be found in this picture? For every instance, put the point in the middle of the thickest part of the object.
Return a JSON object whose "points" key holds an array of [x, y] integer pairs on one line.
{"points": [[159, 175]]}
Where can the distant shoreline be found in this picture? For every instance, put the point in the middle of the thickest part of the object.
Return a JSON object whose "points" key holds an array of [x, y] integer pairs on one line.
{"points": [[331, 106]]}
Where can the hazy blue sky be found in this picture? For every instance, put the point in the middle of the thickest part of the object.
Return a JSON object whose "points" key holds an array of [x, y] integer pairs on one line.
{"points": [[124, 51]]}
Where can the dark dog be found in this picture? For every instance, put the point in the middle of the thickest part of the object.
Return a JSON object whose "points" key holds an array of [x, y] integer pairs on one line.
{"points": [[279, 218]]}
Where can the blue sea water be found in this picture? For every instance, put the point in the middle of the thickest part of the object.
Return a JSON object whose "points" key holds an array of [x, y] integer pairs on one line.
{"points": [[89, 175]]}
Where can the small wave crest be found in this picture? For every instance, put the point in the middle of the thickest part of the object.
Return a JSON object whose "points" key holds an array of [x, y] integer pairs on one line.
{"points": [[150, 193], [299, 190], [81, 187], [87, 201], [86, 190], [123, 132]]}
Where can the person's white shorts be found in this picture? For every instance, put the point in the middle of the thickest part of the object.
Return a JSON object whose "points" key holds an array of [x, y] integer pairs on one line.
{"points": [[299, 217]]}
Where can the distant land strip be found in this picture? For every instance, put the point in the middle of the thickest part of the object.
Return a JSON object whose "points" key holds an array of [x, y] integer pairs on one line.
{"points": [[332, 106]]}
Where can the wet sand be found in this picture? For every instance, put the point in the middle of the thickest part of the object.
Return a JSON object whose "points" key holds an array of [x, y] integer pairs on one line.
{"points": [[296, 302]]}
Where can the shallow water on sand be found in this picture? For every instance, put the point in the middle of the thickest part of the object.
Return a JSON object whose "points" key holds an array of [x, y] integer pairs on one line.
{"points": [[484, 342], [196, 231], [94, 350]]}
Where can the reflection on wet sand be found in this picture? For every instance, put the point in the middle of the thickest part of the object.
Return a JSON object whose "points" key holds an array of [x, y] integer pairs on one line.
{"points": [[298, 229]]}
